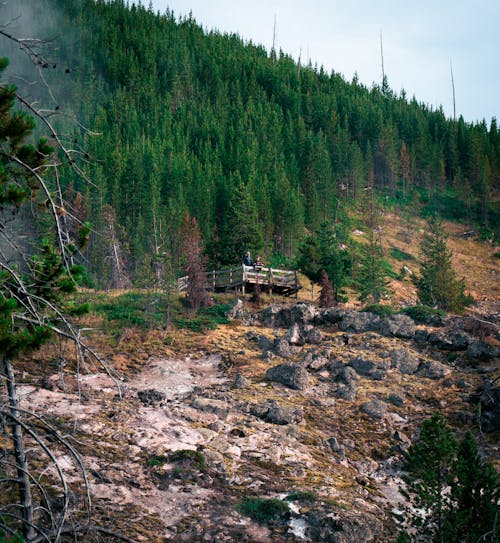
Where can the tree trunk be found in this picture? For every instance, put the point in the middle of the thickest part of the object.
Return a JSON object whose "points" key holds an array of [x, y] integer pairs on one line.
{"points": [[23, 481]]}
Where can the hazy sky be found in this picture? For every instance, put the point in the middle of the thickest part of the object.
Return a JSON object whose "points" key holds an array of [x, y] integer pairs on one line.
{"points": [[420, 38]]}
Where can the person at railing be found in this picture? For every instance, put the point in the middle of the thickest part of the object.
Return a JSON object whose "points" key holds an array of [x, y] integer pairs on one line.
{"points": [[248, 259], [258, 264]]}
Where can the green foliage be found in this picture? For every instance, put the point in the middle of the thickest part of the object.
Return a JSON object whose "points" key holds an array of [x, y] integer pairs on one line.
{"points": [[398, 254], [10, 538], [437, 285], [195, 458], [262, 510], [421, 313], [453, 492], [379, 309], [256, 149], [207, 318], [156, 461]]}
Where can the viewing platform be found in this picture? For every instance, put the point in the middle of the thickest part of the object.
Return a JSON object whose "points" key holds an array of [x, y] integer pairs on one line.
{"points": [[246, 278]]}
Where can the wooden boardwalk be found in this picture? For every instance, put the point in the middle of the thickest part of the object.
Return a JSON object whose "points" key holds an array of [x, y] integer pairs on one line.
{"points": [[244, 278]]}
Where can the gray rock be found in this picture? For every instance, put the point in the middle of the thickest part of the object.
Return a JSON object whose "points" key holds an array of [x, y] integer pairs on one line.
{"points": [[292, 376], [490, 407], [209, 405], [272, 412], [276, 316], [421, 336], [241, 382], [353, 321], [375, 409], [283, 348], [303, 313], [401, 326], [450, 340], [346, 391], [396, 400], [433, 370], [336, 447], [284, 415], [294, 335], [405, 361], [241, 313], [342, 527], [331, 315], [347, 375], [370, 368], [480, 350], [311, 334]]}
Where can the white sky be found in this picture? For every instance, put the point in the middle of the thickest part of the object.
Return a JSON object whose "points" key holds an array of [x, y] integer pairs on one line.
{"points": [[420, 38]]}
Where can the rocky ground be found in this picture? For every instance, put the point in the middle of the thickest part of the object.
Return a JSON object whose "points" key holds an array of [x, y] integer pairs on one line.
{"points": [[311, 407]]}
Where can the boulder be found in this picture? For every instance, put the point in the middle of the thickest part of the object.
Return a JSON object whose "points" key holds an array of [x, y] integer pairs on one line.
{"points": [[241, 313], [272, 412], [433, 370], [342, 527], [370, 368], [311, 334], [292, 376], [294, 335], [276, 316], [283, 348], [376, 409], [346, 391], [331, 315], [480, 350], [450, 340], [303, 313], [490, 407], [405, 361], [241, 382], [354, 321], [401, 326]]}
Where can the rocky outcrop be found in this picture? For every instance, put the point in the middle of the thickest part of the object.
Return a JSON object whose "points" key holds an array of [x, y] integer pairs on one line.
{"points": [[274, 413], [342, 527], [352, 321], [400, 326], [404, 360], [292, 376]]}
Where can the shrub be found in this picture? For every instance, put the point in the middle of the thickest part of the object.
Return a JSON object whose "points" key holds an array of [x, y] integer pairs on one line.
{"points": [[261, 509], [379, 309], [421, 313], [195, 458]]}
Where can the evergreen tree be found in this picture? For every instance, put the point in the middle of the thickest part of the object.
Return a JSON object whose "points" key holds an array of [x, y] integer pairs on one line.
{"points": [[437, 285], [429, 461], [474, 495]]}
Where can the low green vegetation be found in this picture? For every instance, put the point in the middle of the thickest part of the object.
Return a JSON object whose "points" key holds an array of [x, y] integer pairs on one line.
{"points": [[301, 496], [398, 254], [379, 309], [195, 459], [262, 510], [421, 313], [452, 493]]}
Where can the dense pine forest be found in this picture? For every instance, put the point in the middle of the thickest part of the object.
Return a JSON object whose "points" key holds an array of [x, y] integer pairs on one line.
{"points": [[259, 149]]}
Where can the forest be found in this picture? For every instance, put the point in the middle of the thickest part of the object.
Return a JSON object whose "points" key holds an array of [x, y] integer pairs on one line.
{"points": [[259, 149]]}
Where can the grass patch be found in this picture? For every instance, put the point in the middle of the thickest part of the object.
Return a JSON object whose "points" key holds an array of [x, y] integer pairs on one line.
{"points": [[207, 318], [398, 254], [262, 510], [156, 461]]}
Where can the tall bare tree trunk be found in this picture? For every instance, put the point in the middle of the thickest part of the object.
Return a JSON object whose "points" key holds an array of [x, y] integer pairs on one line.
{"points": [[23, 482]]}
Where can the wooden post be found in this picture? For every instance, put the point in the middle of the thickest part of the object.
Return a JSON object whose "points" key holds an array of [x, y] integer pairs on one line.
{"points": [[213, 280], [230, 277], [271, 281], [243, 278], [296, 285]]}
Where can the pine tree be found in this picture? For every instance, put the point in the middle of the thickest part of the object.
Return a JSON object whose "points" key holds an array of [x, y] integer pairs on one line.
{"points": [[429, 461], [474, 495], [437, 285]]}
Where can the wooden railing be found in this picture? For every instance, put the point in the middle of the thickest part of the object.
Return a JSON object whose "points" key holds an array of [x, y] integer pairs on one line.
{"points": [[285, 280]]}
